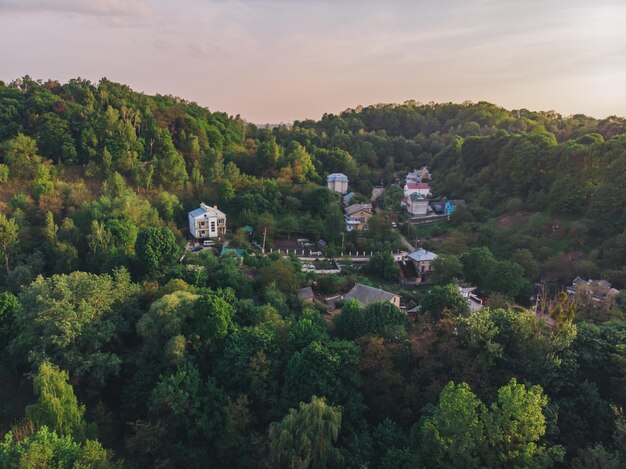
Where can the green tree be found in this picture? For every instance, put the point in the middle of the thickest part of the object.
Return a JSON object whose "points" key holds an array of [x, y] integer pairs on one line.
{"points": [[156, 248], [513, 427], [454, 435], [282, 273], [46, 449], [57, 406], [9, 308], [443, 301], [9, 238], [305, 437], [384, 266], [76, 321], [446, 269]]}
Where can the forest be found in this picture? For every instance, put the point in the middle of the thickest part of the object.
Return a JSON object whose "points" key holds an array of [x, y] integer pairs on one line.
{"points": [[120, 348]]}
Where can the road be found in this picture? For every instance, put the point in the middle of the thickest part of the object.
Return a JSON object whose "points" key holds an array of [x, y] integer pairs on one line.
{"points": [[406, 243]]}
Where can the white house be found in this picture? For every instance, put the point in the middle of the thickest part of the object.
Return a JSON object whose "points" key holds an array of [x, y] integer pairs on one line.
{"points": [[416, 188], [337, 182], [207, 222], [416, 204]]}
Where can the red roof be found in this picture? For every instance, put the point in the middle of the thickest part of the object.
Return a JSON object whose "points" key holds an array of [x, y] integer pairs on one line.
{"points": [[418, 185]]}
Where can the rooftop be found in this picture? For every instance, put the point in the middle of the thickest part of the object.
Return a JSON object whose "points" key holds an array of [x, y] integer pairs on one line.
{"points": [[365, 294], [336, 177], [206, 209], [305, 293], [417, 185], [422, 255], [416, 196], [356, 207]]}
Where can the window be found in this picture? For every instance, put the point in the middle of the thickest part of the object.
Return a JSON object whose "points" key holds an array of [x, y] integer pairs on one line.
{"points": [[213, 226]]}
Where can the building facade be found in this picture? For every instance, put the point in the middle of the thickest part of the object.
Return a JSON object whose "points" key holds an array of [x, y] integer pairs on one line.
{"points": [[207, 222], [337, 182], [357, 216]]}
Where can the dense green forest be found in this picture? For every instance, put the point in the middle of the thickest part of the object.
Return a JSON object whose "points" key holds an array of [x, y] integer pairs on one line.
{"points": [[119, 348]]}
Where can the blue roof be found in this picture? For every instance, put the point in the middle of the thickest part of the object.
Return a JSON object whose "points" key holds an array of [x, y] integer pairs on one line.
{"points": [[348, 197], [197, 212], [228, 250], [336, 177], [422, 255]]}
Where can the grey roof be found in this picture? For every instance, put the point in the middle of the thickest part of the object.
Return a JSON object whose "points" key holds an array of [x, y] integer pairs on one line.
{"points": [[422, 255], [204, 208], [366, 295], [336, 177], [197, 212], [306, 292], [348, 197], [416, 196], [356, 207]]}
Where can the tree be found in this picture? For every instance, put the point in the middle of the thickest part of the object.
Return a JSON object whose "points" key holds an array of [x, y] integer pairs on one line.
{"points": [[9, 237], [381, 318], [446, 269], [514, 425], [170, 165], [282, 273], [76, 321], [443, 301], [9, 308], [46, 449], [156, 248], [453, 436], [462, 432], [57, 406], [384, 266], [304, 437], [326, 366]]}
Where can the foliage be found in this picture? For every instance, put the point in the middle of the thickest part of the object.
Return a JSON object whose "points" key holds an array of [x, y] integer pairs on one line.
{"points": [[305, 436], [57, 406]]}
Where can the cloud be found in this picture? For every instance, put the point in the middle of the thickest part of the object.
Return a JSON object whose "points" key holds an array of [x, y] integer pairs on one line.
{"points": [[111, 9]]}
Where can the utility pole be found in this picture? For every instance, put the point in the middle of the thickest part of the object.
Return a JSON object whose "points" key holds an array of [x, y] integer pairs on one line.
{"points": [[264, 235]]}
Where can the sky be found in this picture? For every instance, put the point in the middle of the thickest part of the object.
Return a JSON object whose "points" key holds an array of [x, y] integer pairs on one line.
{"points": [[274, 61]]}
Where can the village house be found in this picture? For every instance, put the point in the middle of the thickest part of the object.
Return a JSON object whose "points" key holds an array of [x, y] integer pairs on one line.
{"points": [[418, 175], [416, 204], [451, 205], [337, 182], [416, 267], [599, 292], [207, 222], [357, 216], [473, 301], [365, 295], [416, 188]]}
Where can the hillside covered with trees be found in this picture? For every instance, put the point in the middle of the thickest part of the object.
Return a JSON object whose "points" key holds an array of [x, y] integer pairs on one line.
{"points": [[119, 347]]}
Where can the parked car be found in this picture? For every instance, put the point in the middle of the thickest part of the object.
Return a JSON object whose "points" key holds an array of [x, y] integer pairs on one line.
{"points": [[208, 243], [196, 248]]}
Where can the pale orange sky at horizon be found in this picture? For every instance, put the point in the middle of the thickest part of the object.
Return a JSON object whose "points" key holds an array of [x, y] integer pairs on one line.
{"points": [[279, 61]]}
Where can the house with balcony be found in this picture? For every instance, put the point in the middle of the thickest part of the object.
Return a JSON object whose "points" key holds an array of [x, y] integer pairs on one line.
{"points": [[357, 216], [207, 222]]}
